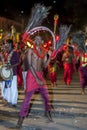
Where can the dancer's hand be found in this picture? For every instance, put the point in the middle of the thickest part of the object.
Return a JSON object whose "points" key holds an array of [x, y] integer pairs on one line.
{"points": [[40, 82]]}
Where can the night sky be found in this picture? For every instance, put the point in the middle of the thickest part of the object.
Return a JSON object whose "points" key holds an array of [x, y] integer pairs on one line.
{"points": [[69, 11], [58, 6], [26, 5]]}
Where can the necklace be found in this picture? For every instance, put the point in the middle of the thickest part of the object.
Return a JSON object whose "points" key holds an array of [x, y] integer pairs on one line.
{"points": [[40, 55]]}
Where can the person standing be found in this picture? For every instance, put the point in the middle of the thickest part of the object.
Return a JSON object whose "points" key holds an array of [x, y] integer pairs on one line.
{"points": [[11, 86], [2, 82], [83, 69], [68, 64], [25, 65], [35, 80], [52, 71]]}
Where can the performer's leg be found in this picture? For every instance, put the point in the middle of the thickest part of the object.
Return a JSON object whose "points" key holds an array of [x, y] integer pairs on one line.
{"points": [[83, 84], [24, 110], [45, 96], [26, 104], [82, 80], [69, 77], [65, 75]]}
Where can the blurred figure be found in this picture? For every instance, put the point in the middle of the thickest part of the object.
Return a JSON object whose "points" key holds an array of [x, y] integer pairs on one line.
{"points": [[19, 67], [25, 65], [52, 68], [35, 81], [2, 82], [11, 90], [83, 69], [68, 64]]}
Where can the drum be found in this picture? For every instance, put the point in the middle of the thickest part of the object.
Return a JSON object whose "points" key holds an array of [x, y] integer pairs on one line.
{"points": [[5, 74]]}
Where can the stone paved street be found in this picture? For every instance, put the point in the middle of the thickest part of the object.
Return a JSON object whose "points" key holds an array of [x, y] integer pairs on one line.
{"points": [[69, 104]]}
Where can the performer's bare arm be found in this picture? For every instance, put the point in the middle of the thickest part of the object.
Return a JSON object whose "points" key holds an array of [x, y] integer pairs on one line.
{"points": [[47, 60]]}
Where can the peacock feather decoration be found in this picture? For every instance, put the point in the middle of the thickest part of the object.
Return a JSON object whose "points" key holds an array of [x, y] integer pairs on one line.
{"points": [[38, 14], [79, 39]]}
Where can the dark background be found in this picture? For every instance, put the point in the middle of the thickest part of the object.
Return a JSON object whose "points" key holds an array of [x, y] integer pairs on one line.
{"points": [[70, 11]]}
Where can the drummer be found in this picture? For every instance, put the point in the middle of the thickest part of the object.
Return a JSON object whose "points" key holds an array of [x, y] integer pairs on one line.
{"points": [[2, 82], [11, 89]]}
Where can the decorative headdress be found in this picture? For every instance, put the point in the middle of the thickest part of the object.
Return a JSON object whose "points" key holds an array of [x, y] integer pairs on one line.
{"points": [[63, 33], [78, 38], [38, 14]]}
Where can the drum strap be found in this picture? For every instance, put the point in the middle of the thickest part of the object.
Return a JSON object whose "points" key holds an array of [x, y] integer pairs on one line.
{"points": [[8, 83]]}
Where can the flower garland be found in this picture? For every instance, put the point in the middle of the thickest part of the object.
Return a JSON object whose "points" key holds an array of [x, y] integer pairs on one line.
{"points": [[41, 55]]}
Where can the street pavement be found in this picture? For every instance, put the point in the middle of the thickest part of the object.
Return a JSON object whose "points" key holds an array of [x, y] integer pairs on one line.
{"points": [[70, 108]]}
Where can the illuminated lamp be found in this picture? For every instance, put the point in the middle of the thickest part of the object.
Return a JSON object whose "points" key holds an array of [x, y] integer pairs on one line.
{"points": [[29, 44], [0, 36], [1, 33], [49, 42], [32, 46], [45, 45], [64, 47], [57, 37]]}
